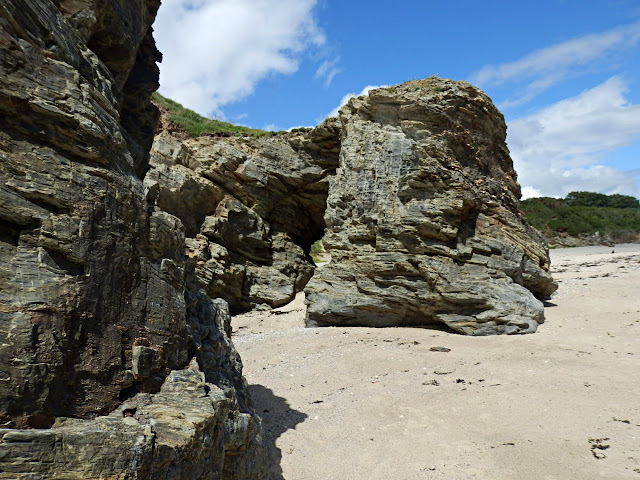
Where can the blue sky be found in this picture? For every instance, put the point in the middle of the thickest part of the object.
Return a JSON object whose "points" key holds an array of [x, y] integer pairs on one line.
{"points": [[565, 73]]}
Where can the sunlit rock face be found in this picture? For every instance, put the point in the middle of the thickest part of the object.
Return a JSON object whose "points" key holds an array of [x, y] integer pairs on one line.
{"points": [[415, 194], [98, 303], [422, 220]]}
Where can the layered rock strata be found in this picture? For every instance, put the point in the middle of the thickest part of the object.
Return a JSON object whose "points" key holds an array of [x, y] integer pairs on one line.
{"points": [[252, 207], [98, 303], [422, 221], [422, 217]]}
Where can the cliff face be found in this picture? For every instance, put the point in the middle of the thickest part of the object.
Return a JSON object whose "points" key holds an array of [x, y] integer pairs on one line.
{"points": [[98, 305], [115, 362], [252, 207], [420, 205], [75, 254], [423, 224]]}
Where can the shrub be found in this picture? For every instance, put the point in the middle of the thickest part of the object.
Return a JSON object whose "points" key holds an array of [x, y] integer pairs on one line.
{"points": [[553, 216]]}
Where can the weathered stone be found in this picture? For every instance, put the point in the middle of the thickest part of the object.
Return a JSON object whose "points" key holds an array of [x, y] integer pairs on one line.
{"points": [[184, 431], [423, 223], [98, 303], [252, 208], [74, 295], [422, 218]]}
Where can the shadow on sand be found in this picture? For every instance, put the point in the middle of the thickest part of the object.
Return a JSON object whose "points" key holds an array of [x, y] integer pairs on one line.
{"points": [[277, 418]]}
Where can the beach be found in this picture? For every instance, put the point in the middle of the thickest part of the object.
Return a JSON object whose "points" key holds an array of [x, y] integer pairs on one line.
{"points": [[415, 403]]}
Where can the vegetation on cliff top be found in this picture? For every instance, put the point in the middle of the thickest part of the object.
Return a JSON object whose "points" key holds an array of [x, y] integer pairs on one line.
{"points": [[195, 124], [584, 213]]}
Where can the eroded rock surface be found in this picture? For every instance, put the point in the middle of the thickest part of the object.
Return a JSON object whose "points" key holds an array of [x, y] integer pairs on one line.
{"points": [[422, 217], [183, 431], [252, 207], [98, 303], [423, 223]]}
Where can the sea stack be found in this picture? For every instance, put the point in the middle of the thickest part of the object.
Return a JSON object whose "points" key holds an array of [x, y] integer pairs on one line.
{"points": [[423, 223]]}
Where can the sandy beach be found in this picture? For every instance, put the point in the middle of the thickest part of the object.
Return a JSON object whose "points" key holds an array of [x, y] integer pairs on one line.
{"points": [[412, 403]]}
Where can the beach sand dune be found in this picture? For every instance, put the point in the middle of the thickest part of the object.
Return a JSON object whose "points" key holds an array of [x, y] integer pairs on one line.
{"points": [[411, 403]]}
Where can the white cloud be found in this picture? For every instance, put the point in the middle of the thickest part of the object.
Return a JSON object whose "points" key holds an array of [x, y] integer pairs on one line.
{"points": [[530, 192], [349, 96], [216, 51], [328, 70], [560, 148], [545, 67]]}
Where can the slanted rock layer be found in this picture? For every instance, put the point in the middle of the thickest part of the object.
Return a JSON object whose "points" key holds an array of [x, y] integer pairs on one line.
{"points": [[115, 361], [422, 218], [98, 304], [252, 207], [423, 224]]}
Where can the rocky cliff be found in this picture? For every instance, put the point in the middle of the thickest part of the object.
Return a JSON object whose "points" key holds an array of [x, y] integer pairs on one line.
{"points": [[115, 357], [423, 223], [101, 315], [252, 207], [415, 194]]}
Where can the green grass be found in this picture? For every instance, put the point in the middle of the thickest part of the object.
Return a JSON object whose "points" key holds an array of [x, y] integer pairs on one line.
{"points": [[195, 124], [554, 216], [317, 249]]}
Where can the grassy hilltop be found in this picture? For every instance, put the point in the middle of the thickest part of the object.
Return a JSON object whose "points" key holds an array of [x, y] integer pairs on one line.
{"points": [[195, 124], [614, 218]]}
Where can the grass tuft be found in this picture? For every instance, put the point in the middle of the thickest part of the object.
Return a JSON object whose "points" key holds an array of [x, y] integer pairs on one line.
{"points": [[317, 251]]}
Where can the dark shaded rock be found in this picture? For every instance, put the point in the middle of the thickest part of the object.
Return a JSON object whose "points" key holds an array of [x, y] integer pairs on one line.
{"points": [[74, 299], [423, 222], [98, 303]]}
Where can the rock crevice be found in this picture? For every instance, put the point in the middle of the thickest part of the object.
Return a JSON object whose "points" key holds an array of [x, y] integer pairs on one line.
{"points": [[252, 207]]}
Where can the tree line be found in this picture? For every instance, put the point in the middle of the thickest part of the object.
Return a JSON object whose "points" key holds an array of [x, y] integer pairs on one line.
{"points": [[592, 199]]}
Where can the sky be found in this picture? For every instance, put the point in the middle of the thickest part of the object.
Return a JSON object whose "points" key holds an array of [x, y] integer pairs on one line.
{"points": [[565, 73]]}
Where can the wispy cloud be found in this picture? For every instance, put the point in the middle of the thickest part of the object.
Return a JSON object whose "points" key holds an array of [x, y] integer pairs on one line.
{"points": [[546, 67], [349, 96], [215, 52], [561, 148], [328, 70]]}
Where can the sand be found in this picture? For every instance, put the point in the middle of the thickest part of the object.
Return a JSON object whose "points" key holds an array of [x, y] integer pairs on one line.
{"points": [[364, 403]]}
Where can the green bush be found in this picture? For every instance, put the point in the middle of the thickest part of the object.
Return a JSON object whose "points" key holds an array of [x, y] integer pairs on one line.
{"points": [[316, 250], [592, 199]]}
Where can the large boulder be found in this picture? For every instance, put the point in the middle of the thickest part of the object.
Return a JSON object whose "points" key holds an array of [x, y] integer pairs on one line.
{"points": [[98, 303], [423, 223]]}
